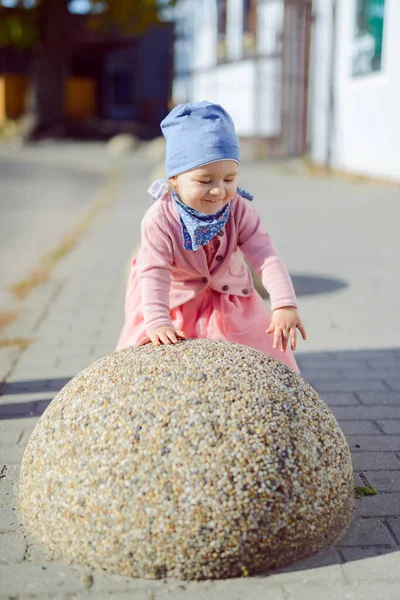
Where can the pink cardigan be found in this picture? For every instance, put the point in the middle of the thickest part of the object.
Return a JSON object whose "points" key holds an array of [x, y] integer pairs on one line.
{"points": [[170, 276]]}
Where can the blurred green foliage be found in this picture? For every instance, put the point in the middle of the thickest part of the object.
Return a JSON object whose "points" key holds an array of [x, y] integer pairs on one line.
{"points": [[18, 28], [20, 23]]}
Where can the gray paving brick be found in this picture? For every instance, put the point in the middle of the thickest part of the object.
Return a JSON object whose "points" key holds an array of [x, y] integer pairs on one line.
{"points": [[25, 397], [357, 479], [390, 426], [394, 524], [367, 373], [23, 424], [8, 520], [6, 493], [308, 591], [353, 364], [10, 473], [328, 557], [359, 553], [394, 384], [379, 397], [9, 436], [320, 374], [329, 575], [381, 505], [33, 411], [31, 372], [385, 481], [99, 352], [369, 413], [7, 359], [37, 579], [364, 461], [373, 570], [384, 362], [12, 548], [71, 365], [27, 433], [232, 590], [20, 409], [314, 363], [35, 553], [355, 385], [331, 361], [357, 427], [32, 386], [367, 532], [340, 399], [11, 454], [351, 360], [370, 443], [105, 582], [76, 352], [140, 595]]}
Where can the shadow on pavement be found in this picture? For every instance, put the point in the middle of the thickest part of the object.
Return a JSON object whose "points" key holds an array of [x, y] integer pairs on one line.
{"points": [[31, 408], [306, 285], [34, 385]]}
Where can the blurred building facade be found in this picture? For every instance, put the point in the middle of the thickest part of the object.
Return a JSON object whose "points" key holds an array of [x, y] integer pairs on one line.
{"points": [[122, 82], [355, 98], [317, 77], [251, 56]]}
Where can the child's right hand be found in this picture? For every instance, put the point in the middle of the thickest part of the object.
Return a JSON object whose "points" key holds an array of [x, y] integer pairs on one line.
{"points": [[163, 335]]}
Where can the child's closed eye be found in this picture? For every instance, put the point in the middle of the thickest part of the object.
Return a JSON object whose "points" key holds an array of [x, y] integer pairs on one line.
{"points": [[227, 180]]}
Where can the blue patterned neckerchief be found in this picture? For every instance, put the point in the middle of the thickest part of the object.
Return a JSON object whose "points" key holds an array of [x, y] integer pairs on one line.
{"points": [[197, 228]]}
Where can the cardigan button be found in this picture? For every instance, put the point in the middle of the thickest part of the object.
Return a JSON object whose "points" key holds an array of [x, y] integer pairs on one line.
{"points": [[225, 288], [245, 291], [205, 279], [219, 258]]}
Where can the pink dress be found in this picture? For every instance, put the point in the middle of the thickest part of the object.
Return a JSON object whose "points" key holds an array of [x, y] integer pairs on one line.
{"points": [[209, 315]]}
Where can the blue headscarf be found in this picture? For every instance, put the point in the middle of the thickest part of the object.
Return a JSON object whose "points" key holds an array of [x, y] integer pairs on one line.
{"points": [[197, 134]]}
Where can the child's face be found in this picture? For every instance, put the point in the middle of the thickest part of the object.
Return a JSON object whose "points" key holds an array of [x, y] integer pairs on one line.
{"points": [[208, 188]]}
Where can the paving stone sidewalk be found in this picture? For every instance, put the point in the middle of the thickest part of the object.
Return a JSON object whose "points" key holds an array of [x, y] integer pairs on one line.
{"points": [[75, 318]]}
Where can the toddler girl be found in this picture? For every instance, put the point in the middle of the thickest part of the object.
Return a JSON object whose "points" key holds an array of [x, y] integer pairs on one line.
{"points": [[190, 278]]}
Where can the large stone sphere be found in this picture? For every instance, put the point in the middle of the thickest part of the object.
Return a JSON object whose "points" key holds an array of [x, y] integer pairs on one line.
{"points": [[200, 460]]}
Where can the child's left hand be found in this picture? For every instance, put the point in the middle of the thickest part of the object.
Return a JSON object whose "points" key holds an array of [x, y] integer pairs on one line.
{"points": [[284, 322]]}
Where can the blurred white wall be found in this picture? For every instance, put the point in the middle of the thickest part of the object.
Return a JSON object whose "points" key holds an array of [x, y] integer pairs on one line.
{"points": [[364, 129], [249, 90]]}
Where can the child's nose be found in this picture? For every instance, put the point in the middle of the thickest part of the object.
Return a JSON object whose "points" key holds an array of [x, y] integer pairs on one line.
{"points": [[216, 191]]}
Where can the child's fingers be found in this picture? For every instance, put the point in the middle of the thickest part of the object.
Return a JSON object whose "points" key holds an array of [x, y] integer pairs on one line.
{"points": [[302, 330], [172, 337], [277, 337], [293, 337], [285, 339], [270, 328], [164, 339]]}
